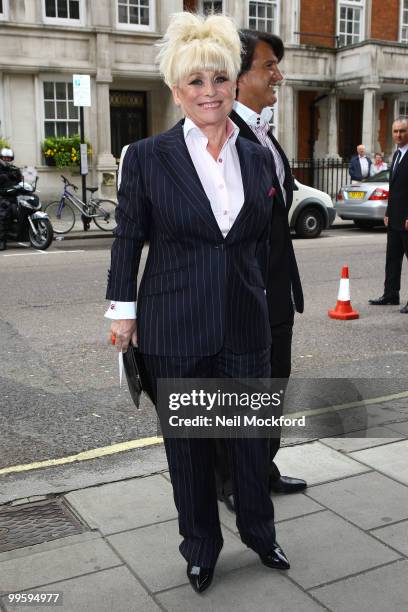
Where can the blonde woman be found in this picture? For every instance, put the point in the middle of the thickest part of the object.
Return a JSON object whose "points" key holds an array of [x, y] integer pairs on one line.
{"points": [[203, 198]]}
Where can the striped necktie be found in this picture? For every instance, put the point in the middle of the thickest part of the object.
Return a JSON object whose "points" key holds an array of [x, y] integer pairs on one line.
{"points": [[395, 163]]}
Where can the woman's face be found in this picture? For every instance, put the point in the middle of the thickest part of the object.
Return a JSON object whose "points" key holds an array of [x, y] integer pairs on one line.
{"points": [[378, 159], [206, 97]]}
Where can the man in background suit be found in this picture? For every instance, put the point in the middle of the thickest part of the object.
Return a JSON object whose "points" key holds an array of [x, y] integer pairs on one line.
{"points": [[396, 218], [360, 165], [261, 53]]}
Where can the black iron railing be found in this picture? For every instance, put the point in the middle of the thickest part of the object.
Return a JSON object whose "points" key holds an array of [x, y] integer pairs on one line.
{"points": [[325, 174]]}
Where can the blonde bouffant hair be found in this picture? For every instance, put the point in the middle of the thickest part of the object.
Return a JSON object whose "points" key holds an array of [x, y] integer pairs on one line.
{"points": [[193, 43]]}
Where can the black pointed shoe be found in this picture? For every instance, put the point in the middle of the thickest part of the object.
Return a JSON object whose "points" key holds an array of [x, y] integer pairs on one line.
{"points": [[200, 577], [276, 558], [386, 300], [286, 484], [404, 310]]}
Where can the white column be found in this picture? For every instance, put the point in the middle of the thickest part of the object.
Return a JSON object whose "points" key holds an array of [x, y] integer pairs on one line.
{"points": [[332, 145], [370, 119], [286, 120], [105, 160]]}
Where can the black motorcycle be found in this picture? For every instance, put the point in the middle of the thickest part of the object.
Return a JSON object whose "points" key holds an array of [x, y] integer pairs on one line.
{"points": [[28, 222]]}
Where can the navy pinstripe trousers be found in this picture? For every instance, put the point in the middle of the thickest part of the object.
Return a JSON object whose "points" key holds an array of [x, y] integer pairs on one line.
{"points": [[191, 464]]}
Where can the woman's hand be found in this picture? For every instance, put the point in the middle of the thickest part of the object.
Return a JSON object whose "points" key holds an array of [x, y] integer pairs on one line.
{"points": [[125, 333]]}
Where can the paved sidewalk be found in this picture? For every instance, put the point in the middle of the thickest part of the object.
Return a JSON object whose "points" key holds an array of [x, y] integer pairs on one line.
{"points": [[346, 538]]}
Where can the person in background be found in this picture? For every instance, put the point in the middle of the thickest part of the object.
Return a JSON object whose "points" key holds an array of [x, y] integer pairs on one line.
{"points": [[203, 198], [359, 166], [378, 164], [9, 177], [396, 218]]}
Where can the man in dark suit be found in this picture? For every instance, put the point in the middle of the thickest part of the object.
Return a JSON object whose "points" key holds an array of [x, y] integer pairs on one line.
{"points": [[396, 218], [360, 164], [261, 53]]}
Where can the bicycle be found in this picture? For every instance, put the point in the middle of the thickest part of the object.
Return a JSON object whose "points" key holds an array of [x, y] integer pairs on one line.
{"points": [[62, 211]]}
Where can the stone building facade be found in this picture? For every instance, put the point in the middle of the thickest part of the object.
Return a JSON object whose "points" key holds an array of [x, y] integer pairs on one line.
{"points": [[345, 65]]}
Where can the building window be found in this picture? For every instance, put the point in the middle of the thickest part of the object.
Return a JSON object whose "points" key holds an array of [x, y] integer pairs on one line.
{"points": [[404, 21], [60, 114], [135, 14], [3, 10], [63, 12], [210, 6], [403, 108], [350, 21], [263, 15]]}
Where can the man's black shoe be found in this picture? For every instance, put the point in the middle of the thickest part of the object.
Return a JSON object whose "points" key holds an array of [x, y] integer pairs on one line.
{"points": [[200, 577], [404, 310], [276, 558], [385, 300], [227, 499], [3, 245], [285, 484]]}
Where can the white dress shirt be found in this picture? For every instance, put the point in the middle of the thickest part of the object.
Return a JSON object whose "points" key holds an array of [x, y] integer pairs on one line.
{"points": [[221, 180], [259, 124], [364, 166], [403, 150]]}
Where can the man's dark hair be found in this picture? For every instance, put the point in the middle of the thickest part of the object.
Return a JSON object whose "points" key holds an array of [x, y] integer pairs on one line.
{"points": [[249, 40]]}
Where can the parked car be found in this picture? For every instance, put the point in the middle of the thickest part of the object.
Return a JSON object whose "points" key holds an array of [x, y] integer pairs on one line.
{"points": [[311, 212], [364, 203]]}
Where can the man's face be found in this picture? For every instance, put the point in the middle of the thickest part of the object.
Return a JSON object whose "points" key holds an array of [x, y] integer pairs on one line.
{"points": [[256, 88], [361, 150], [400, 133]]}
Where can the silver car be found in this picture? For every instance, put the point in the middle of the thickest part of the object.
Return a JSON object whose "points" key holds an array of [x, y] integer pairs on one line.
{"points": [[364, 203]]}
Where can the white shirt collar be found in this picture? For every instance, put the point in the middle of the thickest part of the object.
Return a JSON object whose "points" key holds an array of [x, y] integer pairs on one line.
{"points": [[403, 149], [250, 116], [189, 126]]}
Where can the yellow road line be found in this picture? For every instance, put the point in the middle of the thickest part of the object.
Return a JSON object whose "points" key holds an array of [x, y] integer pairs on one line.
{"points": [[94, 453], [104, 451], [365, 402]]}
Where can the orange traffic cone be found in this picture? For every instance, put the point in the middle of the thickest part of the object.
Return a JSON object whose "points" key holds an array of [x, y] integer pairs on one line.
{"points": [[343, 310]]}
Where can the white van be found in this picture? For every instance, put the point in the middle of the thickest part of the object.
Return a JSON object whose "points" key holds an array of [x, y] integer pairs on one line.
{"points": [[311, 212]]}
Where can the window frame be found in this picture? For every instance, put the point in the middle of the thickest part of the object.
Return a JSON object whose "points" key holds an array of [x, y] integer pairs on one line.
{"points": [[134, 26], [360, 4], [403, 100], [277, 4], [200, 7], [4, 15], [50, 78], [65, 21], [402, 24]]}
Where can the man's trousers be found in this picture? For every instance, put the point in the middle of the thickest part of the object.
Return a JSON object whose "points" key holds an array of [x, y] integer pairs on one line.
{"points": [[397, 245]]}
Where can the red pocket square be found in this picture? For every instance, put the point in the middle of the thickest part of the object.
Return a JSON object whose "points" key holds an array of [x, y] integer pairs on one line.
{"points": [[271, 192]]}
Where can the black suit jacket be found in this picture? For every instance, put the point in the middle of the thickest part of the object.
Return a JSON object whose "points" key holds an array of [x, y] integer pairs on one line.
{"points": [[283, 278], [199, 291], [397, 209], [355, 168]]}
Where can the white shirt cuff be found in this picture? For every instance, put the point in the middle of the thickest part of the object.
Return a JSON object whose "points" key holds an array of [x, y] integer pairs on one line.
{"points": [[121, 310]]}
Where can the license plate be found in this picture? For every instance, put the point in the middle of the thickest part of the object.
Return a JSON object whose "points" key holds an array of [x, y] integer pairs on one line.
{"points": [[356, 195]]}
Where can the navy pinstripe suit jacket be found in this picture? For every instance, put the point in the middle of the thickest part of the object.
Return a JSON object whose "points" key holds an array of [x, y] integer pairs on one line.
{"points": [[199, 291]]}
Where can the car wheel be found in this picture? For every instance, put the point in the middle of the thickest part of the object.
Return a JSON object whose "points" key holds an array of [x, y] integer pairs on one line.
{"points": [[309, 223], [366, 223]]}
